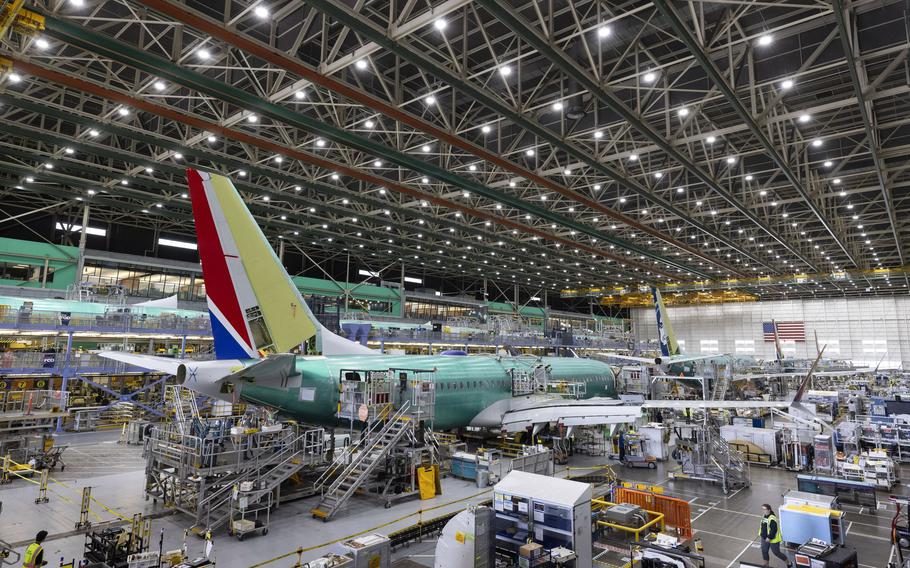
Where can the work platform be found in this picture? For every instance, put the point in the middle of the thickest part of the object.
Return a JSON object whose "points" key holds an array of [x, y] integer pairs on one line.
{"points": [[218, 469], [396, 406]]}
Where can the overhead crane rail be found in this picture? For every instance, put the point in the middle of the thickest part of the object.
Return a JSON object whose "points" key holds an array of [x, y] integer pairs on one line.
{"points": [[14, 16]]}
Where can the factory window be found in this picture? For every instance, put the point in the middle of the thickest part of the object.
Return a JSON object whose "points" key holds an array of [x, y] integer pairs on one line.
{"points": [[439, 311], [709, 346], [745, 346], [23, 272], [146, 284], [875, 345]]}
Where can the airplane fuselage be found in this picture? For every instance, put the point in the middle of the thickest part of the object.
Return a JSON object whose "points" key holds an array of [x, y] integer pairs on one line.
{"points": [[464, 385]]}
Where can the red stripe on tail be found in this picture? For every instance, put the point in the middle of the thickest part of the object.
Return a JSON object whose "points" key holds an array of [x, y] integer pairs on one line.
{"points": [[219, 286]]}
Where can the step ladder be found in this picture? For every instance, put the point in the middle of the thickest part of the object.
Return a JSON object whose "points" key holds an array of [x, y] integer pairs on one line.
{"points": [[267, 477], [377, 443]]}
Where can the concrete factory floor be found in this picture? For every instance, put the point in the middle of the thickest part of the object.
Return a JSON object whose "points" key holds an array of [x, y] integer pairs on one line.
{"points": [[727, 526]]}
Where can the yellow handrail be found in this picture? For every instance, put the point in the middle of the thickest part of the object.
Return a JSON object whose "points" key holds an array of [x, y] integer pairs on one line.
{"points": [[657, 518]]}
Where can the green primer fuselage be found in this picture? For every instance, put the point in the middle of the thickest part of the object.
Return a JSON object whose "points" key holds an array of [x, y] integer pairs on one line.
{"points": [[465, 385]]}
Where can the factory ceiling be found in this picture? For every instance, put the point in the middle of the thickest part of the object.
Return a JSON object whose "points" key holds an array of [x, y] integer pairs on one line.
{"points": [[561, 144]]}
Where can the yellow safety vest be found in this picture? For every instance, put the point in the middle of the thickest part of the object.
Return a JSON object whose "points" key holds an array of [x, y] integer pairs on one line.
{"points": [[30, 554], [765, 522]]}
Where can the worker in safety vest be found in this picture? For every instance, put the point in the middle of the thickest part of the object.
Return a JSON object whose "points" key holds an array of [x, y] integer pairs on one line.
{"points": [[770, 536], [34, 554]]}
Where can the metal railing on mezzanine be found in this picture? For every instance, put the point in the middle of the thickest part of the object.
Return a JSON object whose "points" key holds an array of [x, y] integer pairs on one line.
{"points": [[519, 339], [109, 322], [12, 363]]}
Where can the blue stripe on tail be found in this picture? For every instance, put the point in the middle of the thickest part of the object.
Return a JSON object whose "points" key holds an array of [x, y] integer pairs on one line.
{"points": [[226, 347]]}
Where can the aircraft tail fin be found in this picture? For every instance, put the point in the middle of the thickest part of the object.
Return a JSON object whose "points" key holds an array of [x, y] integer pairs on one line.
{"points": [[668, 344], [777, 350], [254, 305], [804, 385]]}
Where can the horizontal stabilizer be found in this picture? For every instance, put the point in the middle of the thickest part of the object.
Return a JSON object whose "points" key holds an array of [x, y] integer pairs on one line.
{"points": [[273, 371], [167, 365]]}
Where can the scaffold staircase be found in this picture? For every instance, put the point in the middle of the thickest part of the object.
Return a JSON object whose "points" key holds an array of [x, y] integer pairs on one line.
{"points": [[720, 387], [216, 508], [704, 455], [732, 464], [375, 445], [183, 403]]}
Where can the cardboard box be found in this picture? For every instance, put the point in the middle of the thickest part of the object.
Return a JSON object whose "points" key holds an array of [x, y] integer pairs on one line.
{"points": [[244, 525], [531, 550]]}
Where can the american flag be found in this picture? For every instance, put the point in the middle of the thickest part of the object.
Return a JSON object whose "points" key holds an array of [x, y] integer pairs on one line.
{"points": [[786, 331]]}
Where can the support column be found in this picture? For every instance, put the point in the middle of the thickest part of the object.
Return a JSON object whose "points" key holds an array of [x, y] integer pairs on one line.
{"points": [[517, 302], [44, 273], [401, 295], [546, 311], [65, 373], [80, 264], [347, 284], [182, 347], [281, 250]]}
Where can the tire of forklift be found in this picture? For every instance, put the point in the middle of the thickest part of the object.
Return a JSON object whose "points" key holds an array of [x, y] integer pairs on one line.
{"points": [[652, 465]]}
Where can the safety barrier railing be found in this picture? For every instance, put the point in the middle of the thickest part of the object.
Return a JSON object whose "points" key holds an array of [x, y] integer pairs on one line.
{"points": [[25, 401], [122, 321], [677, 512], [487, 337], [77, 362], [204, 455]]}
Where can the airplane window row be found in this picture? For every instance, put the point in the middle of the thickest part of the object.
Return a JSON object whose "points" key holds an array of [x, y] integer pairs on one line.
{"points": [[501, 384], [458, 385]]}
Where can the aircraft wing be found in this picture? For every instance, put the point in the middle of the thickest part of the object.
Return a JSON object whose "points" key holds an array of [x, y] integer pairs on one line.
{"points": [[519, 413], [681, 404], [648, 360], [685, 359], [588, 412]]}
